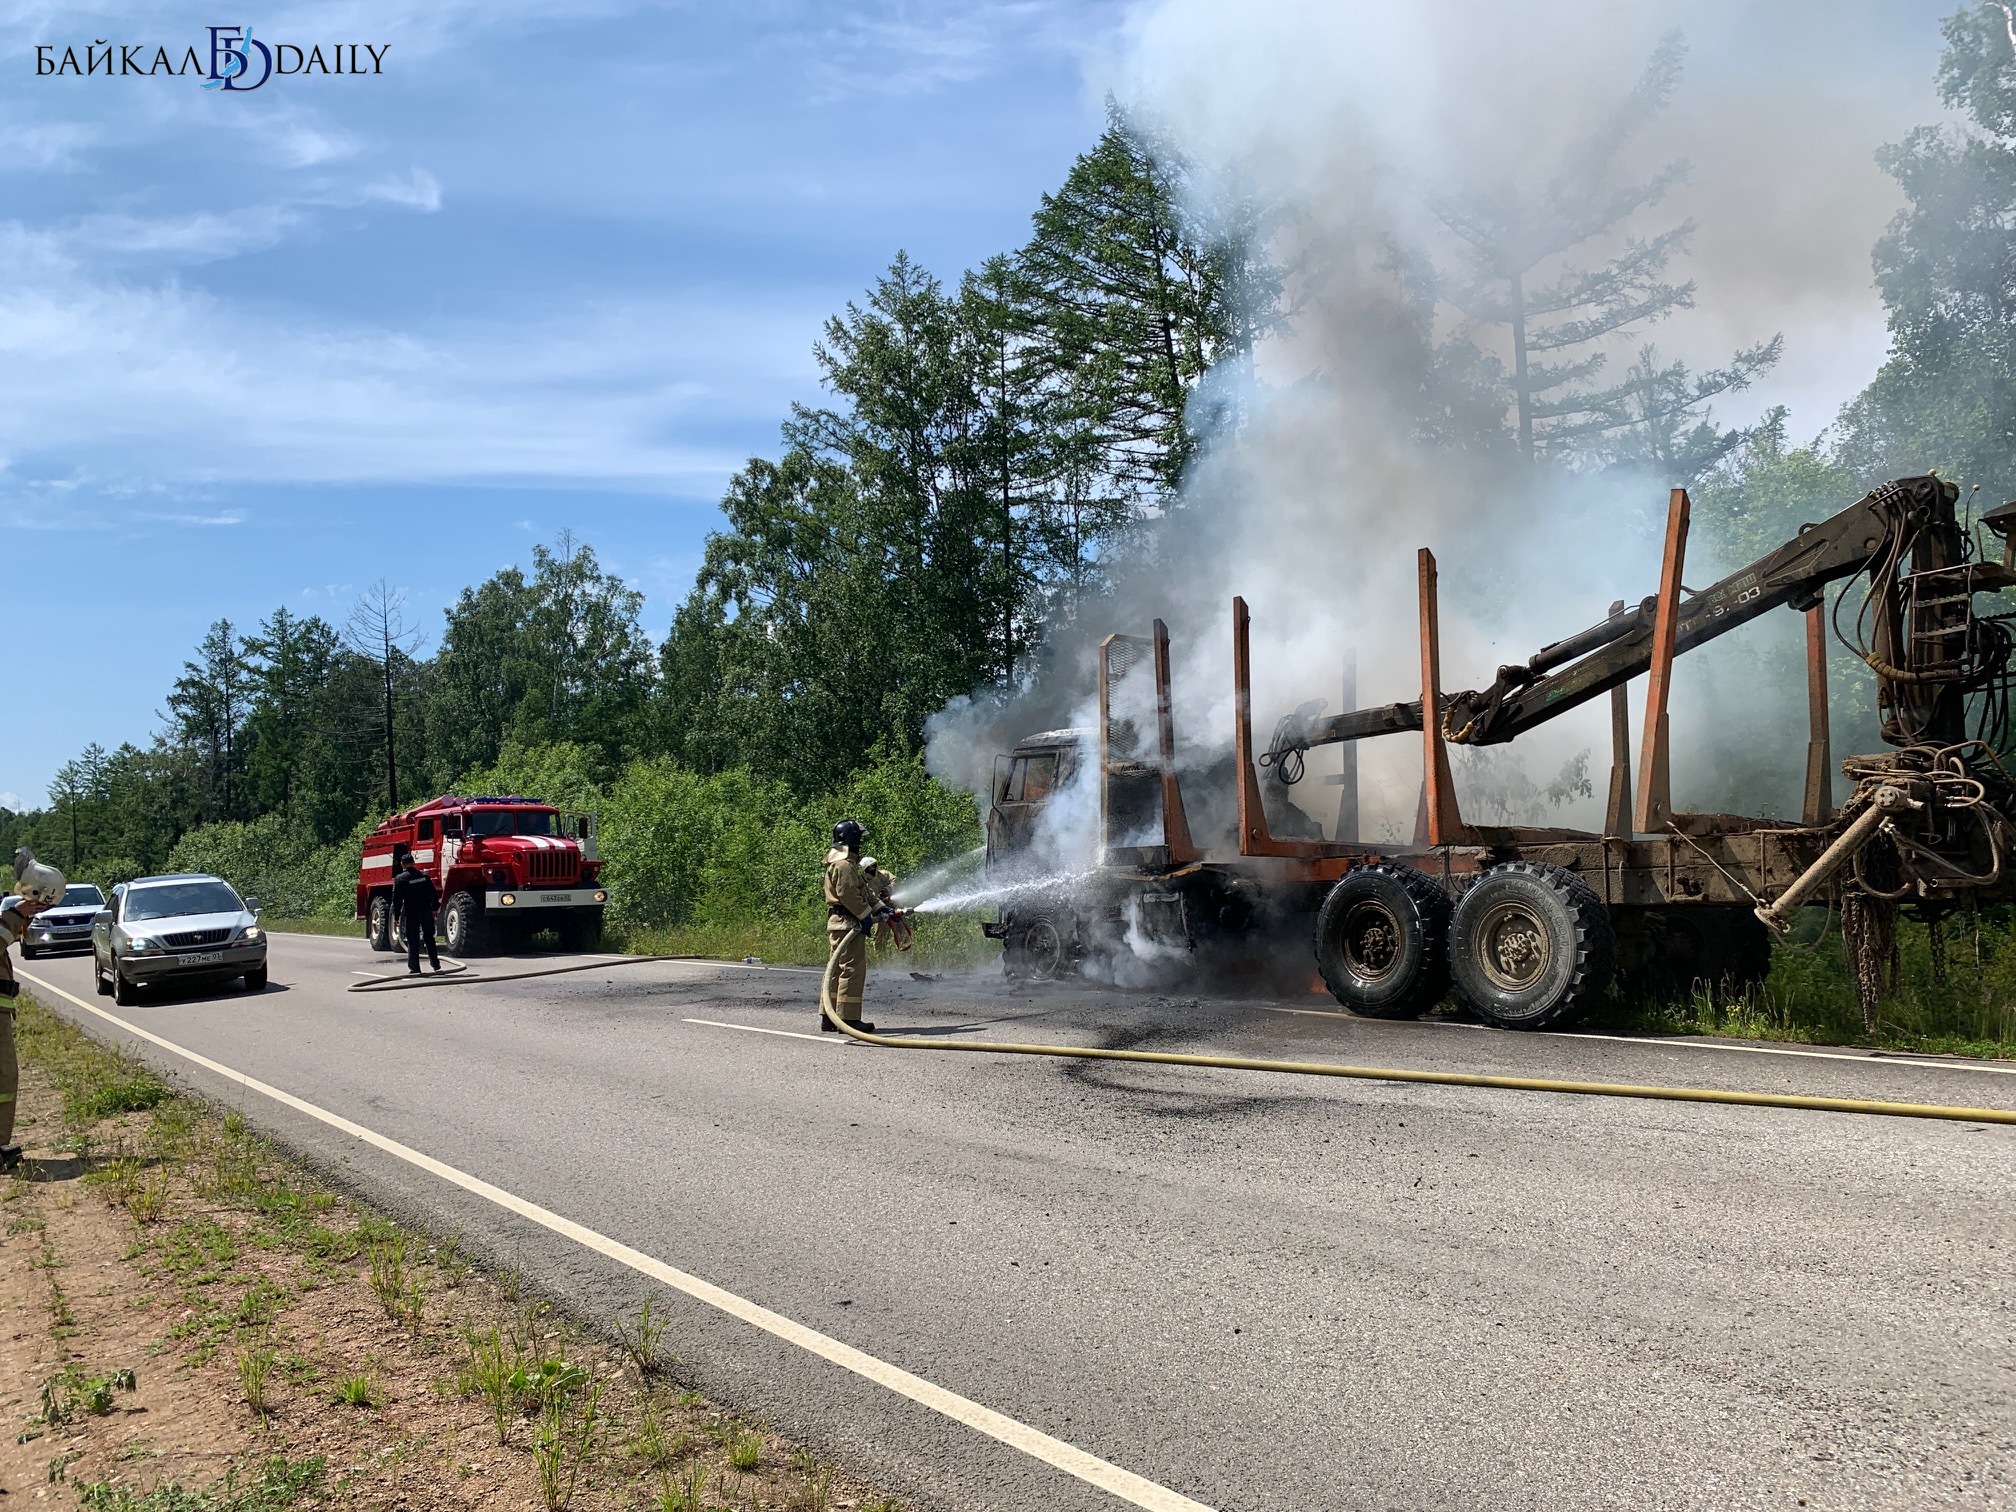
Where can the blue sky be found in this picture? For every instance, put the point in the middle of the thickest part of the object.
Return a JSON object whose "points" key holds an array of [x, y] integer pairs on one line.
{"points": [[560, 267], [556, 267]]}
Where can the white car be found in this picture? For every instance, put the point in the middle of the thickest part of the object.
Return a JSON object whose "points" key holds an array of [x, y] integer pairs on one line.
{"points": [[186, 927], [65, 925]]}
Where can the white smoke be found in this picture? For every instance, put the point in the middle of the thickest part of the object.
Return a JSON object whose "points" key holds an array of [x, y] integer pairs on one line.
{"points": [[1351, 117]]}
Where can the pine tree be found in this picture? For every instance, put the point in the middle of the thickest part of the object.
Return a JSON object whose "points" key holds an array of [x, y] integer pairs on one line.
{"points": [[1520, 272], [1946, 397]]}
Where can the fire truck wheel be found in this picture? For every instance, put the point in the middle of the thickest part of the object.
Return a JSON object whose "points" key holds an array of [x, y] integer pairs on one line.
{"points": [[1035, 949], [463, 927], [380, 928], [583, 932], [1380, 938], [1530, 945]]}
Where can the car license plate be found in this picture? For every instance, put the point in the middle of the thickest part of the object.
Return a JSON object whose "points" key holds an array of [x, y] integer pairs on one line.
{"points": [[207, 958]]}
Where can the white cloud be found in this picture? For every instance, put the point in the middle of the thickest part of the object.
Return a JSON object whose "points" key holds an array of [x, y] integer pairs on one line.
{"points": [[11, 801], [418, 189], [203, 236], [165, 386]]}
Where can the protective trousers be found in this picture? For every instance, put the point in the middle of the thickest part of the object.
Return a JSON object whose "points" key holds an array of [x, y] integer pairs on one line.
{"points": [[419, 927], [10, 1072], [846, 969]]}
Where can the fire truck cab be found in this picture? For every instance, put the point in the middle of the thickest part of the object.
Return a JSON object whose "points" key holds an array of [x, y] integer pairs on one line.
{"points": [[506, 867]]}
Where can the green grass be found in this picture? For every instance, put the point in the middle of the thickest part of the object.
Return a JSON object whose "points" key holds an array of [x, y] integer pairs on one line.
{"points": [[942, 942], [279, 1484], [1808, 998], [348, 928]]}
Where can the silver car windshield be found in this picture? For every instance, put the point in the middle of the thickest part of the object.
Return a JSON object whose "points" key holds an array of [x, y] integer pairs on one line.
{"points": [[81, 895], [169, 899]]}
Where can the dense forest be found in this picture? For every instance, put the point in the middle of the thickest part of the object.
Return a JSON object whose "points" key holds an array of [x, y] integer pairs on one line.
{"points": [[985, 456]]}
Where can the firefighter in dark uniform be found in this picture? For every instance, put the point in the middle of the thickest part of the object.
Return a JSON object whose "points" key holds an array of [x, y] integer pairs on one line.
{"points": [[853, 909], [414, 900], [38, 886]]}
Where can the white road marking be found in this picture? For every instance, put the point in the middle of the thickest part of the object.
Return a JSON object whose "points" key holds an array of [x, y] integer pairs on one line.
{"points": [[1033, 1442], [752, 1029], [1879, 1058]]}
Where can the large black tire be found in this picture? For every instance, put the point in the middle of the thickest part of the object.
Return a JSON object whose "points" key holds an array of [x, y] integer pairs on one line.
{"points": [[99, 983], [1037, 947], [28, 952], [464, 930], [1530, 945], [1664, 954], [255, 979], [1381, 941], [583, 931], [379, 928], [124, 993]]}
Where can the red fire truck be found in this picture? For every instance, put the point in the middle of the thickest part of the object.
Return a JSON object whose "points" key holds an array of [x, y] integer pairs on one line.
{"points": [[507, 868]]}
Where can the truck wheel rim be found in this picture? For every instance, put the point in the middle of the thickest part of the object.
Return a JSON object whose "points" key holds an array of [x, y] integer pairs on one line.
{"points": [[1371, 940], [1513, 946], [1045, 950]]}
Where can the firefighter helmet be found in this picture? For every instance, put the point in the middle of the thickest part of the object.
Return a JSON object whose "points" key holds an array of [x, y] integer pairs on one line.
{"points": [[849, 833], [36, 881]]}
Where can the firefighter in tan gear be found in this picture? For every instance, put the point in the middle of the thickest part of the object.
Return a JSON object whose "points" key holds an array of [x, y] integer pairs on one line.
{"points": [[39, 886], [853, 909]]}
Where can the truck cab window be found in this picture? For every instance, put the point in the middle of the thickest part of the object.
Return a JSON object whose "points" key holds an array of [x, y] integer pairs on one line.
{"points": [[1031, 779], [451, 825], [426, 829], [490, 822], [530, 823]]}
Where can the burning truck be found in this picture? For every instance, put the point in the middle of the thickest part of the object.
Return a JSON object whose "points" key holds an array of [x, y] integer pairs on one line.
{"points": [[1531, 924]]}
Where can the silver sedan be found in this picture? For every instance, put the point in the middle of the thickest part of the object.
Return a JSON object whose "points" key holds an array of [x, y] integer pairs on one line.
{"points": [[186, 927]]}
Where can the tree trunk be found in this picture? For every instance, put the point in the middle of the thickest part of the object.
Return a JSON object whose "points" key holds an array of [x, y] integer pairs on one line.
{"points": [[1520, 385]]}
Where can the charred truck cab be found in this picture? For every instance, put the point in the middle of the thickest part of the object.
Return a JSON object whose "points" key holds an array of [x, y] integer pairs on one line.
{"points": [[1090, 845], [506, 869]]}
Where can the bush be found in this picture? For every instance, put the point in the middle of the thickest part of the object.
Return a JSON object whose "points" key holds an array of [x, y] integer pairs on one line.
{"points": [[278, 862]]}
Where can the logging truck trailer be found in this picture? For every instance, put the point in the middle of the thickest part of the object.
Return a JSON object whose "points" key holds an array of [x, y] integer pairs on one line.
{"points": [[1531, 924]]}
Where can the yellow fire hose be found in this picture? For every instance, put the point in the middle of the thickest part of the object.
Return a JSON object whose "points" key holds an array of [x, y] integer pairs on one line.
{"points": [[1288, 1068], [1434, 1078]]}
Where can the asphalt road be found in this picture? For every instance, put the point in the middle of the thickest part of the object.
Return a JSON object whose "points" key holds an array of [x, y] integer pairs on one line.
{"points": [[1261, 1291]]}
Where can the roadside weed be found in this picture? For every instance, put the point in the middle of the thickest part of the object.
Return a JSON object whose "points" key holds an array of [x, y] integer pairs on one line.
{"points": [[651, 1443], [489, 1373], [398, 1287], [816, 1494], [745, 1449], [255, 1366], [640, 1340], [357, 1390], [570, 1427], [70, 1392], [280, 1483], [685, 1494]]}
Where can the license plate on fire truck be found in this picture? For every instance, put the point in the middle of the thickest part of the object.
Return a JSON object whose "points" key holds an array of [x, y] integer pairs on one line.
{"points": [[207, 958]]}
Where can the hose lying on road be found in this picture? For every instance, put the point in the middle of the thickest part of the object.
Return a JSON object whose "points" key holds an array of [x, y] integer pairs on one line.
{"points": [[1436, 1078], [451, 978], [1287, 1068]]}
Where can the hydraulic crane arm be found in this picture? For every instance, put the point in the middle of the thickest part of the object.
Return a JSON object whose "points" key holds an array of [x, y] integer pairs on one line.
{"points": [[1570, 672]]}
